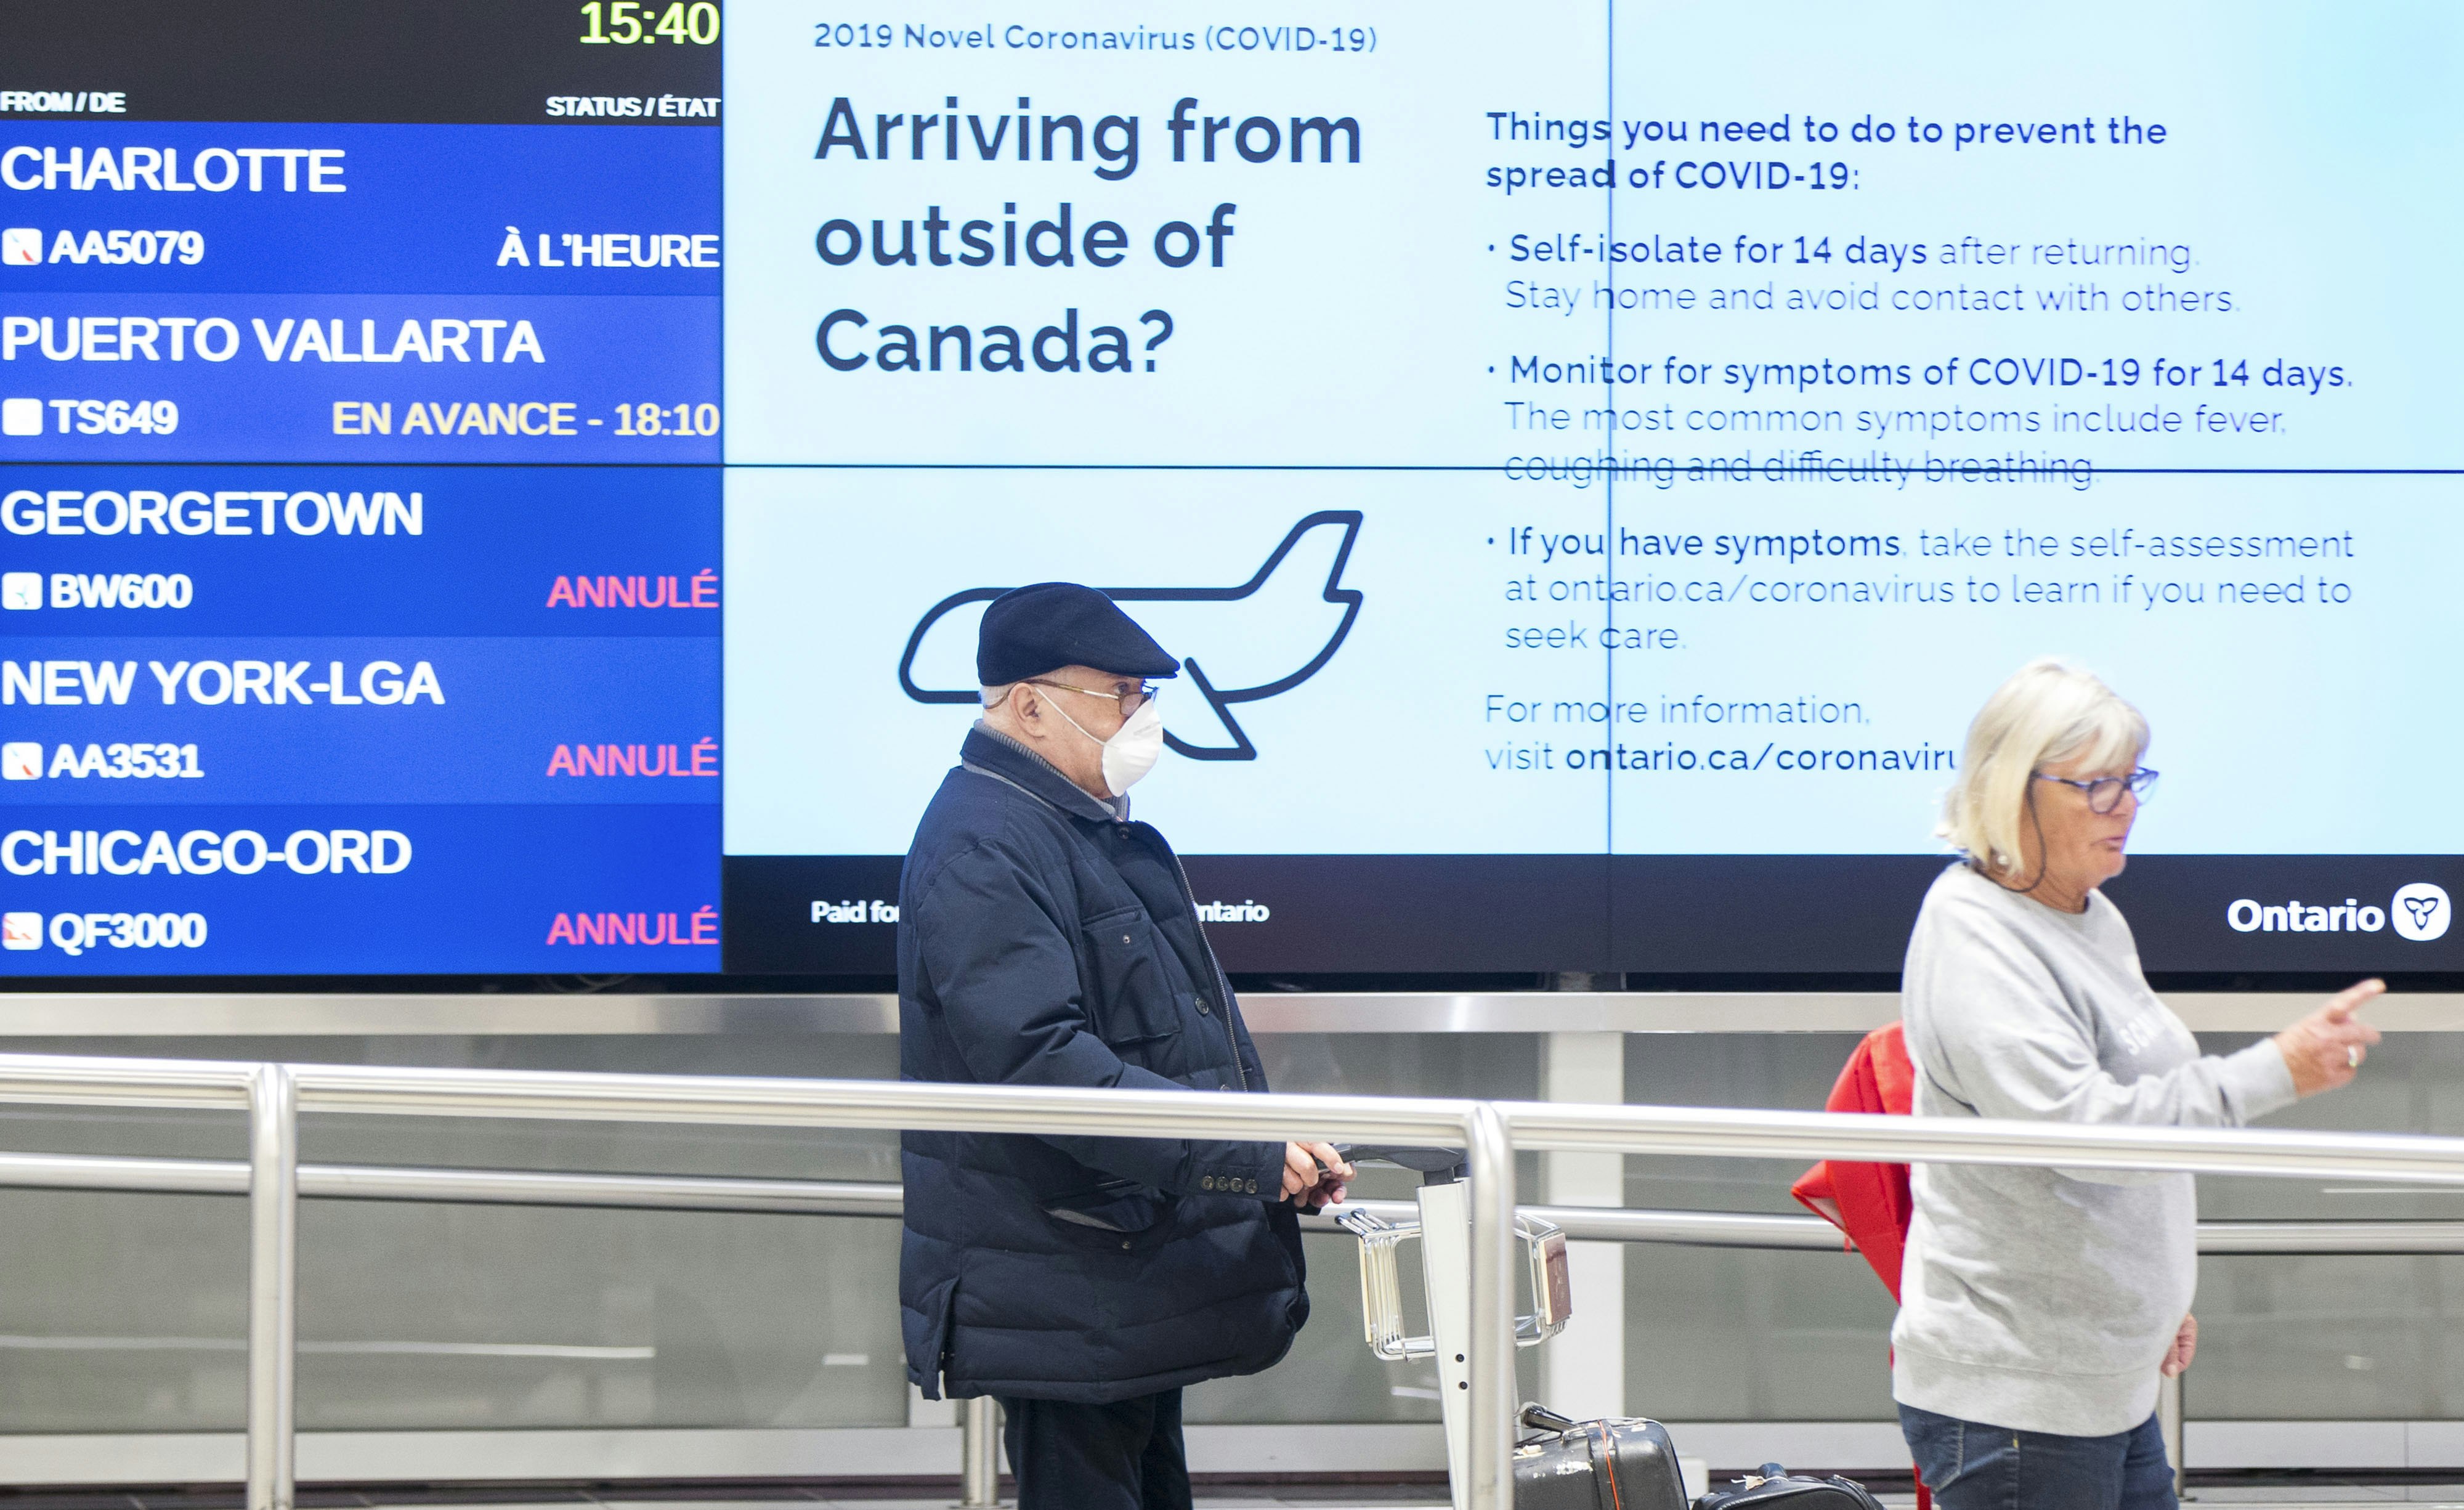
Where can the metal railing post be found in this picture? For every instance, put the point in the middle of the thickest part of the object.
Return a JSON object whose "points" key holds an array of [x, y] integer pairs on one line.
{"points": [[980, 1452], [1490, 1149], [273, 1273], [2168, 1420]]}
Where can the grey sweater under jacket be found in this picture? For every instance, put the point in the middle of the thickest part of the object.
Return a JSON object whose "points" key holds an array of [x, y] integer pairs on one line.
{"points": [[2043, 1300]]}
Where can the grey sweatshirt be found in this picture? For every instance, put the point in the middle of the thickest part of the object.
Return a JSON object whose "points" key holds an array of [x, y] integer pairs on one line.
{"points": [[2043, 1300]]}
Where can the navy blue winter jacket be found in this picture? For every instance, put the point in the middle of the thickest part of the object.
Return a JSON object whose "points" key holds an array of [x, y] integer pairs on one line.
{"points": [[1044, 942]]}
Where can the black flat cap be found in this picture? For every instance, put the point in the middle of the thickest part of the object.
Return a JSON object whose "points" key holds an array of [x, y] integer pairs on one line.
{"points": [[1043, 627]]}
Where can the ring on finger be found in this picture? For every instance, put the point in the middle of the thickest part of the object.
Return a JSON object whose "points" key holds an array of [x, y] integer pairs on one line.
{"points": [[2352, 1057]]}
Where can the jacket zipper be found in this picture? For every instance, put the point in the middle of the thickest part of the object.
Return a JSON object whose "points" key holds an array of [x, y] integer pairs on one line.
{"points": [[1222, 987]]}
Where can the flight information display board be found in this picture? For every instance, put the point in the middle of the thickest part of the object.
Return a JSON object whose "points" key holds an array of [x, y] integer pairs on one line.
{"points": [[1594, 466], [359, 595]]}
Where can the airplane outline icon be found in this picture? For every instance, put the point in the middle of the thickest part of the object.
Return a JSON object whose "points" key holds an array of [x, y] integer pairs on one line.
{"points": [[1218, 698]]}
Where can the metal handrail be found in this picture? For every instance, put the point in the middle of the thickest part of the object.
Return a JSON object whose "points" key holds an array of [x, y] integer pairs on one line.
{"points": [[746, 1100], [78, 1171], [886, 1199], [82, 1081], [1712, 1132], [277, 1093], [646, 1192]]}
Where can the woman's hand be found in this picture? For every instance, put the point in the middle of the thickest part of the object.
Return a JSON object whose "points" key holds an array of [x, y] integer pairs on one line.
{"points": [[2324, 1048], [2186, 1346]]}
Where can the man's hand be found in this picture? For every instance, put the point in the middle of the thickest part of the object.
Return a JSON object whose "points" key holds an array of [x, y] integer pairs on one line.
{"points": [[2186, 1346], [2324, 1048], [1308, 1165]]}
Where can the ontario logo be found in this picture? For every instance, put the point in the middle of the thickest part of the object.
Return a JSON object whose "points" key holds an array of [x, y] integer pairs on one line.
{"points": [[2420, 912]]}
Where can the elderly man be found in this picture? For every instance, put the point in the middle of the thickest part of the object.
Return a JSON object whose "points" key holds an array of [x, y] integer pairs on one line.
{"points": [[1044, 938]]}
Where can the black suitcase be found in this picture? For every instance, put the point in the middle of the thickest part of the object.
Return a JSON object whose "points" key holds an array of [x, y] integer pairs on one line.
{"points": [[1618, 1464], [1779, 1489]]}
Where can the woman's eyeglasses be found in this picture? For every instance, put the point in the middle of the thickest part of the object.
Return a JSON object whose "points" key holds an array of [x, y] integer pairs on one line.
{"points": [[2105, 792]]}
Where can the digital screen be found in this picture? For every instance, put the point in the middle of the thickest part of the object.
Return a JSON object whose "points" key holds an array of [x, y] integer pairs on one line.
{"points": [[360, 592], [1594, 467]]}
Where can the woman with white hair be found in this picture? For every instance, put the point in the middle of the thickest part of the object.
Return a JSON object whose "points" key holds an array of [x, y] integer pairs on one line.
{"points": [[2039, 1306]]}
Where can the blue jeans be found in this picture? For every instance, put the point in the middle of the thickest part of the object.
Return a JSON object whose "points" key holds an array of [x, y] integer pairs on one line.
{"points": [[1971, 1466]]}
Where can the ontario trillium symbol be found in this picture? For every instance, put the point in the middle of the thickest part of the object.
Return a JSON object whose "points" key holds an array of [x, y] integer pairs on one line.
{"points": [[2421, 912]]}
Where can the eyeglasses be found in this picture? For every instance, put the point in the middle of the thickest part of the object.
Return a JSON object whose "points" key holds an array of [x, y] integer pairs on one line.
{"points": [[1130, 701], [2104, 793]]}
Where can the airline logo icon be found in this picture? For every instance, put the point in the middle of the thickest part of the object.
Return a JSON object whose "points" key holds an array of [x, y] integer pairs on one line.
{"points": [[21, 930], [21, 760], [21, 590], [2421, 912], [21, 246]]}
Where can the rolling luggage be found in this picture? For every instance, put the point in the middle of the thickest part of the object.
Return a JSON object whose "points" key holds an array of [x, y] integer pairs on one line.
{"points": [[1621, 1464], [1777, 1488]]}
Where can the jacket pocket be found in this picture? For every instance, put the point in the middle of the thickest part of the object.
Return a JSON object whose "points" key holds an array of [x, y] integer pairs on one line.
{"points": [[1133, 997], [1116, 1206]]}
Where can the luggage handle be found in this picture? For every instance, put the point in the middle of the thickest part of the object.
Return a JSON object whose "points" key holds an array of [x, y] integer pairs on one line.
{"points": [[1382, 1285], [1435, 1166]]}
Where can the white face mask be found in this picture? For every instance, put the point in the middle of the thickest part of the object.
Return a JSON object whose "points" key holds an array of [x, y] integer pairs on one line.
{"points": [[1131, 752]]}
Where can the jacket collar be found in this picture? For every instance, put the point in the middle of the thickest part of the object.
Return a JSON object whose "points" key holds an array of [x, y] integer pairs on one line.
{"points": [[989, 750]]}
